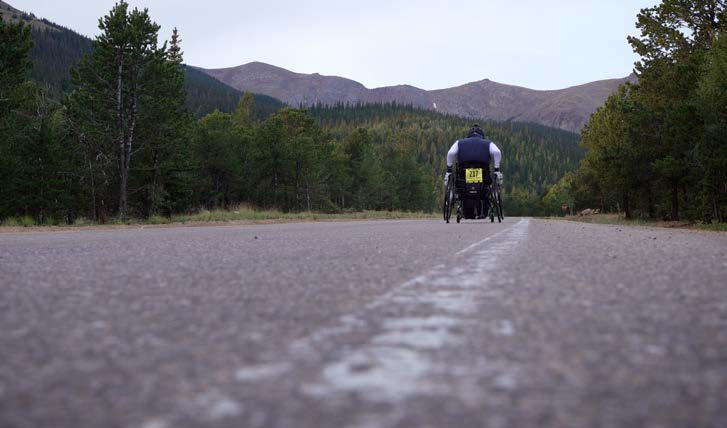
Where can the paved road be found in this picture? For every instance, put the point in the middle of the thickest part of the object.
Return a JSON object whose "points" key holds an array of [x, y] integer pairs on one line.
{"points": [[365, 324]]}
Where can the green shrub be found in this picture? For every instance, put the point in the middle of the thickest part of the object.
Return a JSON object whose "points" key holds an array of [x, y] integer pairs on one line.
{"points": [[118, 221], [158, 219], [330, 208], [27, 221], [11, 221], [83, 221]]}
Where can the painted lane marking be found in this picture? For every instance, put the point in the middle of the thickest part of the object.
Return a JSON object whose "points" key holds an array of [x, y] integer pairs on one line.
{"points": [[390, 351], [260, 372], [398, 359], [489, 238], [399, 347]]}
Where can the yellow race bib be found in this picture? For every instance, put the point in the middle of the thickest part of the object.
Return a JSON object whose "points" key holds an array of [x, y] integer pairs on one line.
{"points": [[473, 175]]}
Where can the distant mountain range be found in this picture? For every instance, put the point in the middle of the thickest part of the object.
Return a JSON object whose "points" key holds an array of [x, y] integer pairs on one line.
{"points": [[58, 48], [567, 109]]}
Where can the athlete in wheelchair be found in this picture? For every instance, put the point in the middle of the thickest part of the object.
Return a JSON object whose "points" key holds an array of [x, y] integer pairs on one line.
{"points": [[470, 190]]}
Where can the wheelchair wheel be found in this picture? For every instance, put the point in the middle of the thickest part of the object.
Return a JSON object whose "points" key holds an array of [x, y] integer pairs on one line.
{"points": [[495, 204], [498, 197], [497, 208], [448, 200]]}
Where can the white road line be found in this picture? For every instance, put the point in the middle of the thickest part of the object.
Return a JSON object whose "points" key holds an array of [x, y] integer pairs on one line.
{"points": [[397, 360], [489, 238], [391, 350]]}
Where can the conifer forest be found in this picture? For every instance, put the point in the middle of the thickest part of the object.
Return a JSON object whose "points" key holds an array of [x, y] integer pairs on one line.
{"points": [[119, 127]]}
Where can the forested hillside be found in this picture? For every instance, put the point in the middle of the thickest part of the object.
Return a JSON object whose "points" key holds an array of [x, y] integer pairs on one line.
{"points": [[206, 94], [534, 156], [58, 49]]}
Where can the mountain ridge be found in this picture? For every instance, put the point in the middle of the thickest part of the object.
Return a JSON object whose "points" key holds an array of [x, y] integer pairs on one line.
{"points": [[13, 14], [567, 108]]}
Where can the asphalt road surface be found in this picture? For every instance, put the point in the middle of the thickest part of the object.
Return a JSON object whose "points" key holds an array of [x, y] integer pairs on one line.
{"points": [[528, 323]]}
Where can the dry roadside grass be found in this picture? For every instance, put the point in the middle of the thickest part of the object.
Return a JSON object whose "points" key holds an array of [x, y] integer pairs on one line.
{"points": [[236, 217], [617, 219]]}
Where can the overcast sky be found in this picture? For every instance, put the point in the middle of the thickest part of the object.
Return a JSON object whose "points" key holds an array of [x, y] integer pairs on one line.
{"points": [[538, 44]]}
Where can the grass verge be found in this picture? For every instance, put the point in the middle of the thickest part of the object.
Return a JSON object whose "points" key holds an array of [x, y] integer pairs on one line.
{"points": [[240, 215], [617, 219], [251, 214]]}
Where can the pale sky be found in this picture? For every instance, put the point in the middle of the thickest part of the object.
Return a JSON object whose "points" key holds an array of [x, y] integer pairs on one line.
{"points": [[538, 44]]}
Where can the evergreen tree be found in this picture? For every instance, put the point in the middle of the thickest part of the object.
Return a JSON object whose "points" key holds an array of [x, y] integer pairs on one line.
{"points": [[621, 165], [128, 89], [711, 151], [244, 114], [15, 43], [164, 159], [35, 162], [218, 149], [666, 129], [675, 35], [175, 50]]}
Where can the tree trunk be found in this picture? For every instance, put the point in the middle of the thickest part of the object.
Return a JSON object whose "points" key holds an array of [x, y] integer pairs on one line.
{"points": [[675, 201], [120, 129], [275, 190], [124, 184], [627, 206], [216, 191], [103, 214], [307, 194], [297, 185], [93, 192], [126, 162], [155, 186], [715, 210]]}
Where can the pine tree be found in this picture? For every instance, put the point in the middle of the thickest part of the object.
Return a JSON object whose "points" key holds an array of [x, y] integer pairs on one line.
{"points": [[35, 161], [622, 166], [14, 64], [15, 43], [175, 50], [164, 159], [219, 168], [119, 85], [675, 36], [711, 150], [244, 114], [657, 148]]}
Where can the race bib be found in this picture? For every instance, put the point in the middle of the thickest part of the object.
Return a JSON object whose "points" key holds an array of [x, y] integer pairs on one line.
{"points": [[473, 175]]}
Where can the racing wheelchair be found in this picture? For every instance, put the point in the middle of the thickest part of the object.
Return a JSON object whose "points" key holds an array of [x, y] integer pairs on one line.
{"points": [[467, 190]]}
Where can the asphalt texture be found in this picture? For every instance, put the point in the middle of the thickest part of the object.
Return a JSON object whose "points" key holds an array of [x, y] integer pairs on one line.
{"points": [[528, 323]]}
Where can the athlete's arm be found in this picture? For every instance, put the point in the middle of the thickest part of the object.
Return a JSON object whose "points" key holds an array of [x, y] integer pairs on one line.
{"points": [[452, 153], [495, 154]]}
